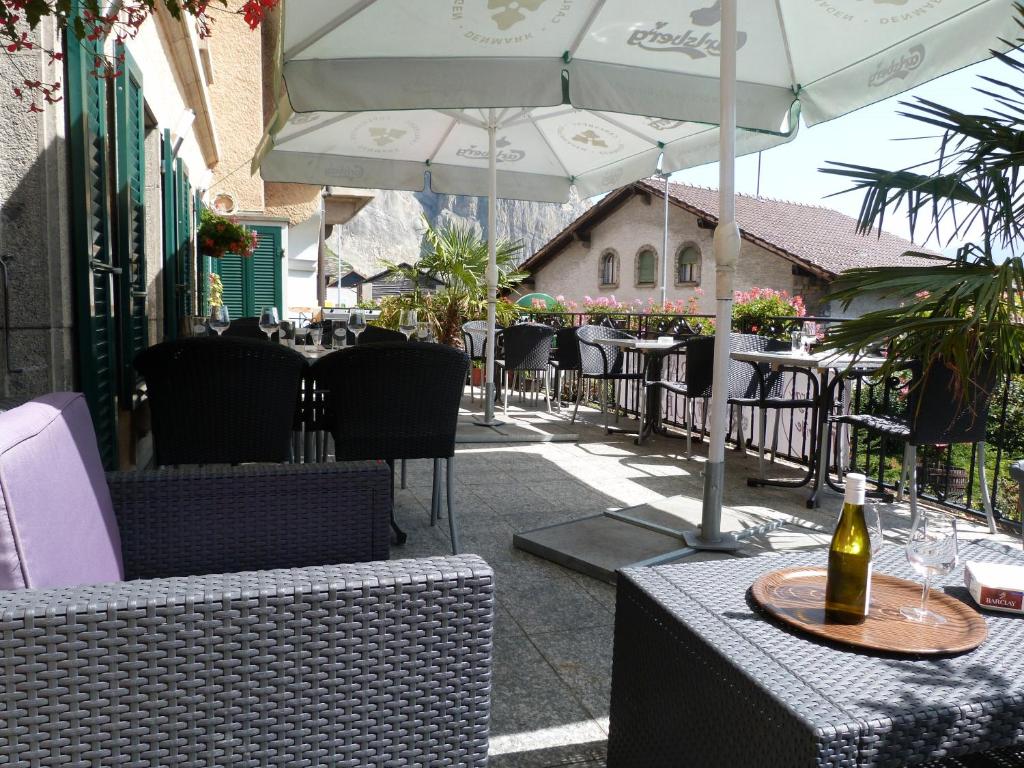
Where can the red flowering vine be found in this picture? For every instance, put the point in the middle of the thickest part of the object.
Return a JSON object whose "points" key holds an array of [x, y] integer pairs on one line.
{"points": [[19, 17]]}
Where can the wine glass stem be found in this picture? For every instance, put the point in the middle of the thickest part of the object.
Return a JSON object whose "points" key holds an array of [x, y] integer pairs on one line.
{"points": [[924, 594]]}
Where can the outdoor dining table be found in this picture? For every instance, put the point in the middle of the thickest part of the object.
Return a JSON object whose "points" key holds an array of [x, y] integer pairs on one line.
{"points": [[827, 366], [653, 351], [702, 677]]}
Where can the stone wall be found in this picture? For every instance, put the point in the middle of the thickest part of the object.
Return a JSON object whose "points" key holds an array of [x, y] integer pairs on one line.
{"points": [[34, 231], [639, 224]]}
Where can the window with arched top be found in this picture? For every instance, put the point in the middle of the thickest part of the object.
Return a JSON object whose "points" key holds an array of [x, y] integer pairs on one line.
{"points": [[646, 267], [609, 268], [688, 265]]}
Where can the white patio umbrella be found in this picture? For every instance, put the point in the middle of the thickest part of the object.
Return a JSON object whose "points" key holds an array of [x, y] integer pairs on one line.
{"points": [[525, 154], [676, 59]]}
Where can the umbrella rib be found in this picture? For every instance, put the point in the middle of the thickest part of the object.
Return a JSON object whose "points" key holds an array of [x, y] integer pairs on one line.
{"points": [[550, 148], [447, 133], [578, 41], [334, 119], [627, 129], [462, 117], [327, 28], [785, 42]]}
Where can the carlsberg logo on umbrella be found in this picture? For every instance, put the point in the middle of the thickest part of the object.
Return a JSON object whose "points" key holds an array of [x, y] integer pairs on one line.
{"points": [[693, 43], [473, 152], [384, 135], [589, 137], [898, 68]]}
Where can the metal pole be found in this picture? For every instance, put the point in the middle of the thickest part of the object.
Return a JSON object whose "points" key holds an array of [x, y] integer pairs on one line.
{"points": [[664, 251], [727, 249], [492, 268]]}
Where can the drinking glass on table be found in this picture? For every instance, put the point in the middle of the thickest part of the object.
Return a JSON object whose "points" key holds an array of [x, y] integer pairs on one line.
{"points": [[269, 321], [422, 330], [810, 331], [220, 319], [315, 335], [932, 550], [796, 342], [407, 323], [357, 323], [874, 523]]}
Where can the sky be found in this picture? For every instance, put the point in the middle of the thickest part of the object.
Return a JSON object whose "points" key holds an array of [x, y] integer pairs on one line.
{"points": [[871, 136]]}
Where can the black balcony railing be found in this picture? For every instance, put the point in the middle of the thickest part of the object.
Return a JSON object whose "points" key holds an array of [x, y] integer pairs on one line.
{"points": [[946, 475]]}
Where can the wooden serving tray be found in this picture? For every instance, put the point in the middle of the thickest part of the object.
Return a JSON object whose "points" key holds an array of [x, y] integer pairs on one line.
{"points": [[796, 596]]}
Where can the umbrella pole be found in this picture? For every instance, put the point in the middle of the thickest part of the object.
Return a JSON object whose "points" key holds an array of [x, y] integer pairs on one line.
{"points": [[727, 249], [492, 270], [664, 251]]}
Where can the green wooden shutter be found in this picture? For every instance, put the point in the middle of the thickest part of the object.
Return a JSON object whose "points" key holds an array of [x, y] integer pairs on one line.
{"points": [[131, 221], [205, 266], [170, 225], [253, 282], [266, 270], [232, 276], [93, 270], [185, 261]]}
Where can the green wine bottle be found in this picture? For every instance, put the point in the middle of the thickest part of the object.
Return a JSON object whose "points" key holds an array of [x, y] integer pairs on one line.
{"points": [[848, 589]]}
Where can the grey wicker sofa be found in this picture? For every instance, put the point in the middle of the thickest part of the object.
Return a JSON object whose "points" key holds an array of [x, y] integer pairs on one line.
{"points": [[364, 664]]}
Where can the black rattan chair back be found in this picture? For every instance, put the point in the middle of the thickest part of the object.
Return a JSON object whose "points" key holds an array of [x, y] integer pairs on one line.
{"points": [[392, 400], [527, 346], [744, 381], [700, 361], [221, 400], [592, 363], [567, 349], [374, 334], [940, 414], [474, 338], [248, 328]]}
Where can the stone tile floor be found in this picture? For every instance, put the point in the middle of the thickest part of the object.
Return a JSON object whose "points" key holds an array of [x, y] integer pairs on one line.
{"points": [[553, 634]]}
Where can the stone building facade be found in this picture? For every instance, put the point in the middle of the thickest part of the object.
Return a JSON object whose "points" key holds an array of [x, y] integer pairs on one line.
{"points": [[616, 249]]}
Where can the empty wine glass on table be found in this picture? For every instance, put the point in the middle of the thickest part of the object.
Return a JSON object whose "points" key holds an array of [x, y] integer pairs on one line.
{"points": [[315, 335], [357, 323], [932, 550], [407, 323], [810, 332], [269, 321], [220, 319]]}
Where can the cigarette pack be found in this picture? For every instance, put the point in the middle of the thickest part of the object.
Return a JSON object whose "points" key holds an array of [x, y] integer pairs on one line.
{"points": [[996, 586]]}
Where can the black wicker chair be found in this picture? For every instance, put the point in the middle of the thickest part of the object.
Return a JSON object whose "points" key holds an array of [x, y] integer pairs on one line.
{"points": [[474, 340], [373, 334], [695, 384], [526, 348], [221, 400], [396, 400], [936, 414], [602, 362], [248, 328], [565, 358]]}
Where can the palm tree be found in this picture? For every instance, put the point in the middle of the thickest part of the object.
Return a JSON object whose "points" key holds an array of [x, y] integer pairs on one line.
{"points": [[455, 255], [973, 305]]}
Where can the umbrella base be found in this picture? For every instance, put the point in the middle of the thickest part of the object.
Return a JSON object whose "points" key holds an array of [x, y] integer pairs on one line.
{"points": [[483, 421], [727, 542]]}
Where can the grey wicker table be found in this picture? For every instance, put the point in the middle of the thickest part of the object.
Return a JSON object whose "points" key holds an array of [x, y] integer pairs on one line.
{"points": [[702, 678]]}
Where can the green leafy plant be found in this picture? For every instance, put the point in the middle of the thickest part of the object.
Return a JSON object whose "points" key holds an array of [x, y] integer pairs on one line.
{"points": [[973, 305], [757, 310], [219, 235], [216, 290], [455, 255]]}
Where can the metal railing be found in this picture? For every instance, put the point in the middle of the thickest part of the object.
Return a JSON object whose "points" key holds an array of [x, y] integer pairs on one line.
{"points": [[946, 475]]}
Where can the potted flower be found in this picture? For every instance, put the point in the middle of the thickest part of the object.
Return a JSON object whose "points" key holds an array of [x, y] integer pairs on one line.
{"points": [[219, 235]]}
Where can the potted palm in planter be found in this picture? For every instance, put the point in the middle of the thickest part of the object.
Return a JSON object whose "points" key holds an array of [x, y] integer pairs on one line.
{"points": [[967, 314]]}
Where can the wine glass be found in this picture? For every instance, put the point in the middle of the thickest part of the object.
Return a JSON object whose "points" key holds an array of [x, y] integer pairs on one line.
{"points": [[357, 323], [315, 335], [220, 318], [810, 332], [407, 323], [932, 550], [874, 522], [422, 330], [269, 321]]}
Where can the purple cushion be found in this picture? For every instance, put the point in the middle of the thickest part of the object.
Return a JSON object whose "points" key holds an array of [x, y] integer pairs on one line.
{"points": [[57, 524]]}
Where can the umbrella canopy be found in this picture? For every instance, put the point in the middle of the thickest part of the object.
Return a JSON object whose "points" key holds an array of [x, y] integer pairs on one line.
{"points": [[656, 57], [541, 153], [533, 300]]}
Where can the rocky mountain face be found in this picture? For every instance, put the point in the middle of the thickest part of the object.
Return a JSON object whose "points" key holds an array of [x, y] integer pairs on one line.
{"points": [[391, 226]]}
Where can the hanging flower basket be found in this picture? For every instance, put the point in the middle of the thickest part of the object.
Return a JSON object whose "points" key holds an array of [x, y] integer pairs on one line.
{"points": [[219, 235]]}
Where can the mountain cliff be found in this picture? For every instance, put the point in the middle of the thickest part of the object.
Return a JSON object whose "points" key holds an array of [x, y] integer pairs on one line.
{"points": [[391, 226]]}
